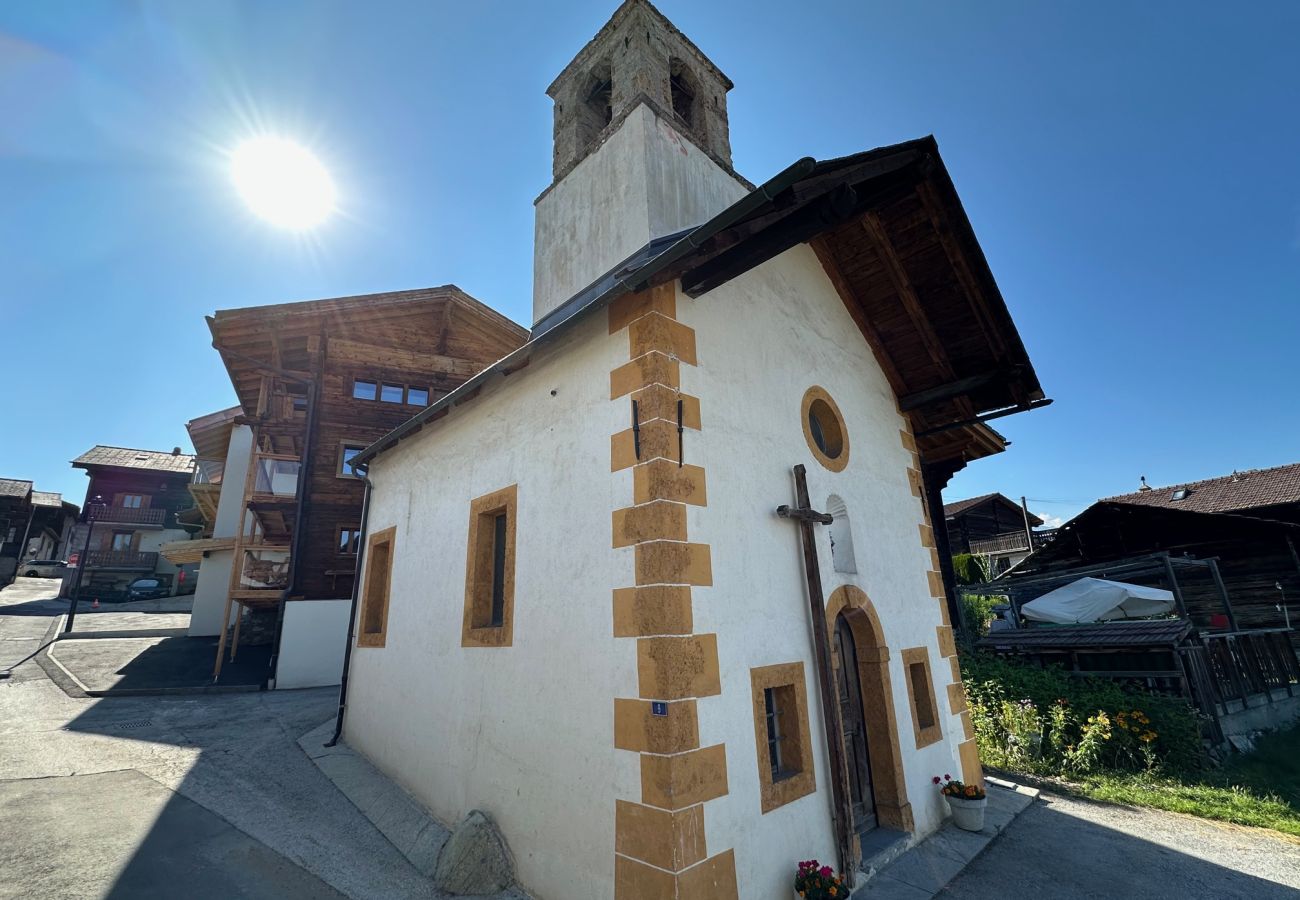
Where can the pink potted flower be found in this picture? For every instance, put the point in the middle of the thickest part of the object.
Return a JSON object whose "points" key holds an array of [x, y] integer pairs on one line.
{"points": [[813, 881]]}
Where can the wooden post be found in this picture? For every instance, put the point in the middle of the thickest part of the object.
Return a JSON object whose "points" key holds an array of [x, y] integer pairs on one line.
{"points": [[234, 643], [1223, 592], [1173, 586], [1029, 531], [841, 811]]}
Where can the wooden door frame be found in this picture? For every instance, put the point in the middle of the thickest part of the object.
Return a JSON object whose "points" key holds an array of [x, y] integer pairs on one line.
{"points": [[888, 785]]}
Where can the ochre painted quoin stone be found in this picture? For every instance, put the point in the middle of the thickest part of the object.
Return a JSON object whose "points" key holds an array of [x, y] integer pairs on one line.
{"points": [[663, 480], [660, 520], [673, 668], [628, 308], [668, 840], [651, 368], [637, 728], [656, 609], [659, 440], [669, 562], [660, 402], [675, 782], [656, 332]]}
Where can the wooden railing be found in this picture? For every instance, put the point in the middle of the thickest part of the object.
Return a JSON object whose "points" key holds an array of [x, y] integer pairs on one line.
{"points": [[1245, 663], [121, 559], [1011, 542], [129, 515]]}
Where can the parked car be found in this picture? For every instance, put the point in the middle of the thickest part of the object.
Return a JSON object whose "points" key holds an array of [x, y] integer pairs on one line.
{"points": [[42, 568], [146, 589]]}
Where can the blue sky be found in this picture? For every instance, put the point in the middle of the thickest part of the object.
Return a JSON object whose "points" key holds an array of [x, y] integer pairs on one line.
{"points": [[1132, 171]]}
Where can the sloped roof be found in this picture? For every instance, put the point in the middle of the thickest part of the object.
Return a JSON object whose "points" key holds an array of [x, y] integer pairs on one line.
{"points": [[957, 507], [1228, 493], [14, 487], [1097, 634], [940, 330], [130, 458], [47, 498]]}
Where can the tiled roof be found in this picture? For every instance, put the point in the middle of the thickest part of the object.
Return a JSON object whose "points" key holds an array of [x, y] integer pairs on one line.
{"points": [[14, 487], [1229, 493], [1098, 634], [127, 458], [47, 498]]}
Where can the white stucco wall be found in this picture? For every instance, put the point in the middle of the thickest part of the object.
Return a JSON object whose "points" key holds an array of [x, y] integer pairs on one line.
{"points": [[214, 571], [152, 541], [524, 733], [646, 181], [210, 594], [762, 341], [312, 641]]}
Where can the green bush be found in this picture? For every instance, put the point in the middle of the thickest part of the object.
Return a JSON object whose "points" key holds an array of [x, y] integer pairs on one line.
{"points": [[1047, 722], [977, 613]]}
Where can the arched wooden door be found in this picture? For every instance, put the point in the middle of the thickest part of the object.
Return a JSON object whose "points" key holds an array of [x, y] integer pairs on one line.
{"points": [[855, 730]]}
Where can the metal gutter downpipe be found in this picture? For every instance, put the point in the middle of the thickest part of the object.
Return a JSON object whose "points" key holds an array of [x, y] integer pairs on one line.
{"points": [[352, 613]]}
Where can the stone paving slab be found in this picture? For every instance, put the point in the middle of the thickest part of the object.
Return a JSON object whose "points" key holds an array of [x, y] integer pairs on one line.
{"points": [[926, 868]]}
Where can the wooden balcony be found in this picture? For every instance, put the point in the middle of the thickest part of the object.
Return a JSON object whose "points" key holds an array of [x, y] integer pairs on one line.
{"points": [[131, 560], [130, 515], [1011, 542]]}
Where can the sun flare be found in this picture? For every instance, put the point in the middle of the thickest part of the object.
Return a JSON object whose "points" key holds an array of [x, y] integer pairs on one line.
{"points": [[282, 182]]}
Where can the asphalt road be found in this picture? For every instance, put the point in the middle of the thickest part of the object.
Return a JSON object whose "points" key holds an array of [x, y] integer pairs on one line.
{"points": [[202, 796], [1067, 849]]}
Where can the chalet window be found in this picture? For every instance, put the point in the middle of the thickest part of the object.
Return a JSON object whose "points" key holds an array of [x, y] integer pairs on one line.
{"points": [[781, 733], [121, 540], [132, 501], [392, 393], [348, 452], [349, 541], [364, 390], [920, 689], [823, 429], [299, 404], [489, 571], [417, 396], [374, 599]]}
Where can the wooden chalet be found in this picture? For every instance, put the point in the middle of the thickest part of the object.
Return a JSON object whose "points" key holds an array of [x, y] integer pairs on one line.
{"points": [[15, 515], [317, 382], [1228, 572]]}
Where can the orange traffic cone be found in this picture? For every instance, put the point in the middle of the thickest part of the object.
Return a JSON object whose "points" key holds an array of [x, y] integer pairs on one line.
{"points": [[95, 605]]}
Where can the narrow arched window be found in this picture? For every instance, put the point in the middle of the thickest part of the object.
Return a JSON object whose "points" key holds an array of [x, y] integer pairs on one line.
{"points": [[681, 85], [597, 103], [841, 534]]}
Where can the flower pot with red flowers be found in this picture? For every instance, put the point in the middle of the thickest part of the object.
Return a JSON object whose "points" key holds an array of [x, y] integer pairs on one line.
{"points": [[967, 802], [813, 881]]}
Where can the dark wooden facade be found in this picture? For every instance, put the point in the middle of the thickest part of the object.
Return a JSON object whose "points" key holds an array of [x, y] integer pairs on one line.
{"points": [[1256, 559], [982, 519], [294, 367], [15, 514]]}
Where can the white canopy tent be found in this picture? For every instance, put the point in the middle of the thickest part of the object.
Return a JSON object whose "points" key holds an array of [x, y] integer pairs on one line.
{"points": [[1096, 600]]}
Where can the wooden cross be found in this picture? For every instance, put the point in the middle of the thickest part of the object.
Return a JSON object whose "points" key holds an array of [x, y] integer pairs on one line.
{"points": [[841, 812]]}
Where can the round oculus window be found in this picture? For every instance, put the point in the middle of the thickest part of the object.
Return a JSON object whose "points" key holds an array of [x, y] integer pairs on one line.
{"points": [[824, 429]]}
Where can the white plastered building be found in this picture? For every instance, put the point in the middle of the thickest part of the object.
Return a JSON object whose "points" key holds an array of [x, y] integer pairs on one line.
{"points": [[581, 612]]}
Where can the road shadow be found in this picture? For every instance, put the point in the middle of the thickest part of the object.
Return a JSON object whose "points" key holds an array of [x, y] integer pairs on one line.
{"points": [[110, 665], [1050, 853]]}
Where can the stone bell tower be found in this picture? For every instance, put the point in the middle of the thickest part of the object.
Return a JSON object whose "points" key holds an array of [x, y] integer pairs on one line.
{"points": [[642, 150]]}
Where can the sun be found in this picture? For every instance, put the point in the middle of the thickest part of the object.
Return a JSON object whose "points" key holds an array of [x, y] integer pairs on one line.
{"points": [[282, 182]]}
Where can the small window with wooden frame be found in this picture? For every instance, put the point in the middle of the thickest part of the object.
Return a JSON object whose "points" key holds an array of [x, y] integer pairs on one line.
{"points": [[349, 540], [347, 451], [490, 571], [920, 689], [374, 597], [785, 764]]}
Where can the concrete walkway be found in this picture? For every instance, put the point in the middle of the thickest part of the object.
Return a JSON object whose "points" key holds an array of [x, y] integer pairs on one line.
{"points": [[924, 870]]}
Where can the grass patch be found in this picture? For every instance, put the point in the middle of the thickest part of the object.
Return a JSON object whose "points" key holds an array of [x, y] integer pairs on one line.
{"points": [[1260, 789]]}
